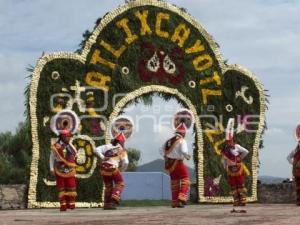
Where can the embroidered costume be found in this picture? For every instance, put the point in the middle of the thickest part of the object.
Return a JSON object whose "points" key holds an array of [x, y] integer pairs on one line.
{"points": [[62, 165], [232, 155], [175, 151], [294, 159], [114, 161]]}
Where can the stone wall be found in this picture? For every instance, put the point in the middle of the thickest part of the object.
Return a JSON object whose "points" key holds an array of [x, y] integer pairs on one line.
{"points": [[12, 196], [276, 193], [266, 193]]}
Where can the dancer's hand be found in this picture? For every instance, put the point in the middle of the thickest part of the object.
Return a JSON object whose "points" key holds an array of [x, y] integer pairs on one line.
{"points": [[188, 157]]}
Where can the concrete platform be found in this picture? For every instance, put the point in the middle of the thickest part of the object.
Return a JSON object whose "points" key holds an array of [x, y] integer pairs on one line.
{"points": [[195, 214]]}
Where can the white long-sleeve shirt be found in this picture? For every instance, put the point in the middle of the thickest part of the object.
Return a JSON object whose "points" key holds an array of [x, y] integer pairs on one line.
{"points": [[52, 159], [179, 152], [239, 150], [290, 157], [121, 158]]}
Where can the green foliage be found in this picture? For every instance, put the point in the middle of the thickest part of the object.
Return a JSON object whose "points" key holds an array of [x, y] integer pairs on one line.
{"points": [[85, 36], [15, 156], [134, 156], [29, 69]]}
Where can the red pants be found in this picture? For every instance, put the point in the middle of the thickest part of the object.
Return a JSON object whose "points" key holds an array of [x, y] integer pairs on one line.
{"points": [[297, 182], [66, 191], [238, 189], [180, 184], [114, 185]]}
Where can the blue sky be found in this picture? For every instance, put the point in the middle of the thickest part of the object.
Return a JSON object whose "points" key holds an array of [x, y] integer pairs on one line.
{"points": [[261, 35]]}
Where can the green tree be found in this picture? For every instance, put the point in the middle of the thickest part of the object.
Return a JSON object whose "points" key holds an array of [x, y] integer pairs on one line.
{"points": [[134, 156], [15, 155]]}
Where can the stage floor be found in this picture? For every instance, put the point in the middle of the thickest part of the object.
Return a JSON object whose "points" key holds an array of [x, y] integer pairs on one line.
{"points": [[194, 214]]}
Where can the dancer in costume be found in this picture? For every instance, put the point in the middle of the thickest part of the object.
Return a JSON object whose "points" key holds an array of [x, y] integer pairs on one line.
{"points": [[232, 155], [114, 161], [174, 151], [294, 159], [62, 158]]}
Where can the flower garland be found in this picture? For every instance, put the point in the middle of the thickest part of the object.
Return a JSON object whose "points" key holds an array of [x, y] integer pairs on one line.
{"points": [[157, 88], [32, 194], [87, 161]]}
